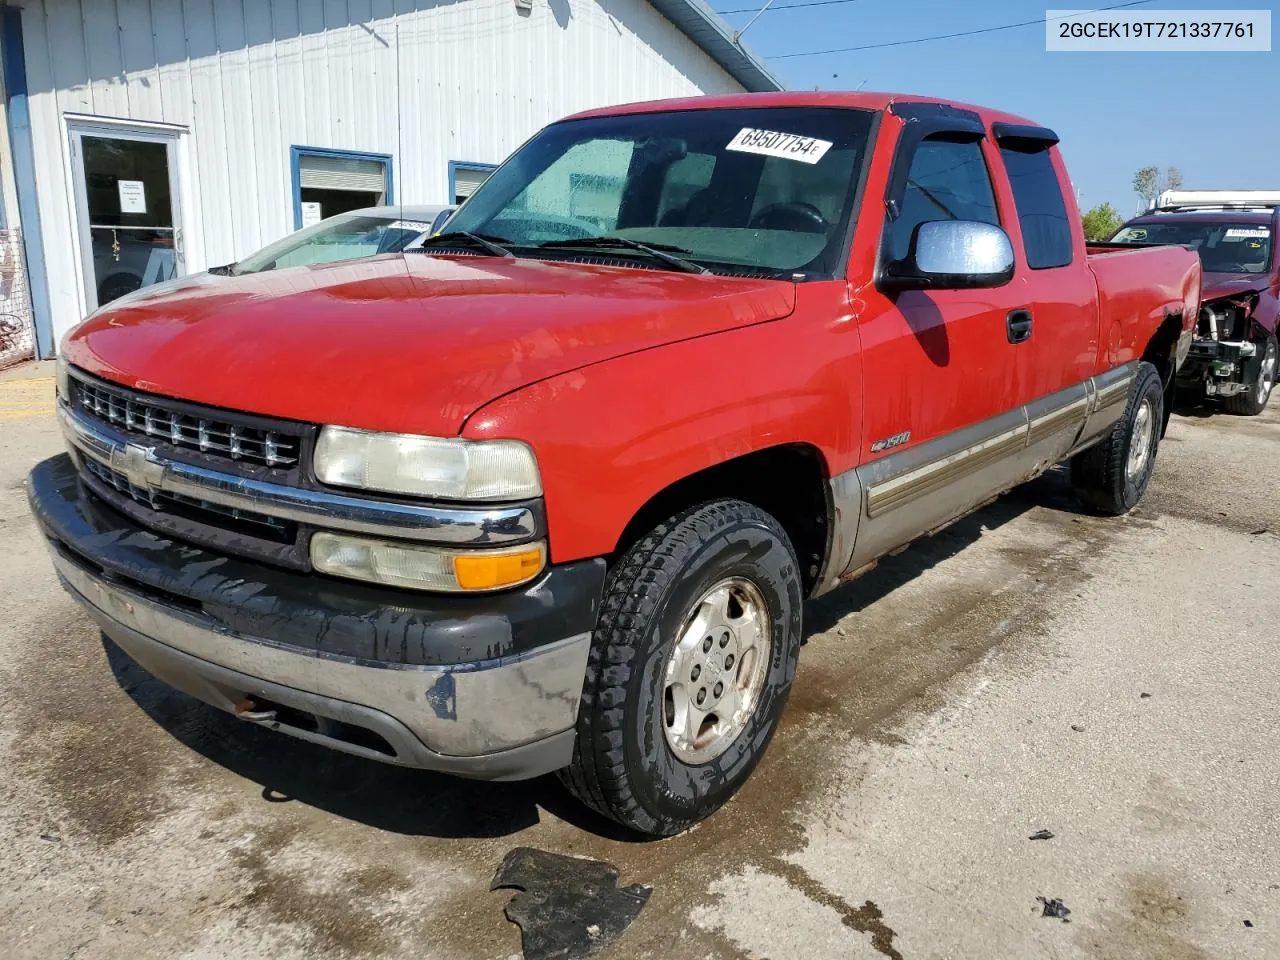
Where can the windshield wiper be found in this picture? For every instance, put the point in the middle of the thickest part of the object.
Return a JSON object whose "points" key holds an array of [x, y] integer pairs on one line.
{"points": [[664, 252], [490, 244]]}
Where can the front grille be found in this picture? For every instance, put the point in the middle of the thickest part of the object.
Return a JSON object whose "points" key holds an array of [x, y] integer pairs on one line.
{"points": [[210, 432], [216, 514]]}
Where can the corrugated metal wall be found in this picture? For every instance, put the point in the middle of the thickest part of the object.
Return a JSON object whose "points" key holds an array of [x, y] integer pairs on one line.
{"points": [[427, 82]]}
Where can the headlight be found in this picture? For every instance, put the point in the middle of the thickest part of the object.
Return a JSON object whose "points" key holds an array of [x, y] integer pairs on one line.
{"points": [[420, 567], [63, 379], [445, 469]]}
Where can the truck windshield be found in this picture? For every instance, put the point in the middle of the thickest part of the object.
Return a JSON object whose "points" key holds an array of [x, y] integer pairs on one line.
{"points": [[765, 190], [1223, 247]]}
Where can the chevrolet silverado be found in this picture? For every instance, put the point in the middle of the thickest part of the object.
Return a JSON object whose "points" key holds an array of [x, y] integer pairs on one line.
{"points": [[550, 493]]}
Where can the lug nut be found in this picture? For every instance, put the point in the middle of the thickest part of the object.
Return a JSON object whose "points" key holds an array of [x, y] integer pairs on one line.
{"points": [[724, 641], [702, 696], [706, 645], [717, 690], [728, 661], [696, 672]]}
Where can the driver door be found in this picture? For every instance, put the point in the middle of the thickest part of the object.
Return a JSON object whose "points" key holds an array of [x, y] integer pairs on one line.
{"points": [[943, 419]]}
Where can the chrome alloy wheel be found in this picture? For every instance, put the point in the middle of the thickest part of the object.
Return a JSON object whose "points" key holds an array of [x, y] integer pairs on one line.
{"points": [[1140, 441], [716, 671], [1267, 375]]}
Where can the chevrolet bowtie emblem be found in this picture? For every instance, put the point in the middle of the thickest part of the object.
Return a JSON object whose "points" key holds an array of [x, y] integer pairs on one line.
{"points": [[139, 464]]}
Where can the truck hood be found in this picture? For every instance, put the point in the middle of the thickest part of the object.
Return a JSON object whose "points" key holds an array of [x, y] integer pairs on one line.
{"points": [[1231, 284], [409, 343]]}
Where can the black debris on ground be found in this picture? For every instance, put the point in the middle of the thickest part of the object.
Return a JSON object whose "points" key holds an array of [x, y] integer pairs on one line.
{"points": [[1144, 696], [568, 908], [1077, 728], [1041, 835], [50, 838], [1054, 908], [1248, 923]]}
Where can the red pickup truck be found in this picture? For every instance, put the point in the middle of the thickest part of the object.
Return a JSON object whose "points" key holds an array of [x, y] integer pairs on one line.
{"points": [[550, 494]]}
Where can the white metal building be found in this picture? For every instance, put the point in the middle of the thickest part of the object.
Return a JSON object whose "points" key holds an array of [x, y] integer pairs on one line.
{"points": [[166, 136]]}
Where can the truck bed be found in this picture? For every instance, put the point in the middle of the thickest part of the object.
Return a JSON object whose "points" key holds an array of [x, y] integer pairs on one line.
{"points": [[1143, 282]]}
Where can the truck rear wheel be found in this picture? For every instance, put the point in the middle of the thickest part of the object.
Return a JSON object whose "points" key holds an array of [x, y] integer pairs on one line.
{"points": [[1112, 475], [1254, 400], [690, 666]]}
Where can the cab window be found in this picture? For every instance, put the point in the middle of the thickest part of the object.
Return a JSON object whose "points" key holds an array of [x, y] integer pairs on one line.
{"points": [[948, 180], [1042, 213]]}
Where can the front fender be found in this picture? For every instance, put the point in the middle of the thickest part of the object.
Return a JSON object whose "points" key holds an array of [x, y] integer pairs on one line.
{"points": [[610, 436]]}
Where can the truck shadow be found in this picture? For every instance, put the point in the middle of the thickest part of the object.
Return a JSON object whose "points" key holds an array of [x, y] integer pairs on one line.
{"points": [[420, 803], [1188, 403], [401, 800]]}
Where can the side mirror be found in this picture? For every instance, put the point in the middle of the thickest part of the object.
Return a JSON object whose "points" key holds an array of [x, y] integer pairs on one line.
{"points": [[952, 255]]}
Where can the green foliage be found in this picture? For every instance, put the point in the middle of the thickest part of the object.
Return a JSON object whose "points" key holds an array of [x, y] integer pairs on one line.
{"points": [[1101, 222]]}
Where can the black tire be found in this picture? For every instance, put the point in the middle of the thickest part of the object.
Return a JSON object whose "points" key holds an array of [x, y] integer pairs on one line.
{"points": [[1254, 400], [623, 766], [1100, 474]]}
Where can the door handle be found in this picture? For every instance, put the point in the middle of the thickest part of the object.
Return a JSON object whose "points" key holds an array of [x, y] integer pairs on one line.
{"points": [[1018, 325]]}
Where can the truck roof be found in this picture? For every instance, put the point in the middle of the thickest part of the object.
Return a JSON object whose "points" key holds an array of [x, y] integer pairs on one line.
{"points": [[866, 100]]}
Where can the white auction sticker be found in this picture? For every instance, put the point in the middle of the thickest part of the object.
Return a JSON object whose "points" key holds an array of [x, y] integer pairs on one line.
{"points": [[1260, 233], [771, 143]]}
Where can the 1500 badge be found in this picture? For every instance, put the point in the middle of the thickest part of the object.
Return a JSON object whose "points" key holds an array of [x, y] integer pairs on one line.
{"points": [[897, 440]]}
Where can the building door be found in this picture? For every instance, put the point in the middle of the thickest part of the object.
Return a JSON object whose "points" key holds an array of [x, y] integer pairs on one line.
{"points": [[127, 202]]}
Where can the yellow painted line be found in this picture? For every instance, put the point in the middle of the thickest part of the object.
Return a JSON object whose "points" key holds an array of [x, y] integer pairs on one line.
{"points": [[43, 403]]}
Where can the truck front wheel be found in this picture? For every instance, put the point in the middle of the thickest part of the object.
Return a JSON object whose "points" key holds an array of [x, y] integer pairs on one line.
{"points": [[690, 666], [1112, 475]]}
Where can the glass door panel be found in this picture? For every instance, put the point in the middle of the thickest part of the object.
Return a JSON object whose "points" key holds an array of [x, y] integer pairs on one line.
{"points": [[126, 198]]}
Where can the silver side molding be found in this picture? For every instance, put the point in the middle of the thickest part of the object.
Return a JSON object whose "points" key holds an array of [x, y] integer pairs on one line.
{"points": [[145, 468], [890, 501]]}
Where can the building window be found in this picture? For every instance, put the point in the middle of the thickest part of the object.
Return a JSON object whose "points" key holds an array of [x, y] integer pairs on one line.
{"points": [[465, 178], [328, 182]]}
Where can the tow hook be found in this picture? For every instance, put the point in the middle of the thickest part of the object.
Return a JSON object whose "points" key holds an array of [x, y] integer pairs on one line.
{"points": [[247, 709]]}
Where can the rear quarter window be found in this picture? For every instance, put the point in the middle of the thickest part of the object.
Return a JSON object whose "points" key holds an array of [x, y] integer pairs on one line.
{"points": [[1042, 212]]}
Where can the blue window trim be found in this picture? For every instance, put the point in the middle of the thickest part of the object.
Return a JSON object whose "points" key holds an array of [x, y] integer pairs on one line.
{"points": [[454, 166], [296, 153], [24, 173]]}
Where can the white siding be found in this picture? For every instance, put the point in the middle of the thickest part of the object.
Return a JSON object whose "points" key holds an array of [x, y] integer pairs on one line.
{"points": [[426, 81]]}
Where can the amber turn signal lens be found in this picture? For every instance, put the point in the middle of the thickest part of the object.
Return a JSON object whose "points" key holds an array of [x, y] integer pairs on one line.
{"points": [[491, 571], [420, 566]]}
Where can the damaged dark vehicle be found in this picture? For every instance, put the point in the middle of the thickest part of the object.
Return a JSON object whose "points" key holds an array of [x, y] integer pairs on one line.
{"points": [[1234, 355]]}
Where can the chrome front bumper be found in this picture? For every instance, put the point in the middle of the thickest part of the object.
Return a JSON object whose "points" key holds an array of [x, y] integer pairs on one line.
{"points": [[500, 719], [486, 687]]}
